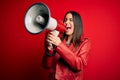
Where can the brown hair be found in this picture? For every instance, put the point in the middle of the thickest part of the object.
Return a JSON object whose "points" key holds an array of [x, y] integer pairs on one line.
{"points": [[78, 29]]}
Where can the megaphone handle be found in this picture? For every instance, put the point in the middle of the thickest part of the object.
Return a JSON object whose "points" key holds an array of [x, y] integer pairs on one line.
{"points": [[56, 33], [51, 45], [48, 54]]}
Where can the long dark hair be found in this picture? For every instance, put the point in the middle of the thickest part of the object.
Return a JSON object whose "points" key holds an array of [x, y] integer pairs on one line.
{"points": [[78, 29]]}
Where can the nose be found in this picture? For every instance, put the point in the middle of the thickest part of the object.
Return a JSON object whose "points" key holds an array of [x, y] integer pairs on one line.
{"points": [[66, 22]]}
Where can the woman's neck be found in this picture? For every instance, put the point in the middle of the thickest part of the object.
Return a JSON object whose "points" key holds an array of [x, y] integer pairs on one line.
{"points": [[69, 38]]}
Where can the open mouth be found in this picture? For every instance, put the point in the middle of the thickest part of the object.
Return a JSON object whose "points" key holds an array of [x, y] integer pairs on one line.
{"points": [[68, 27]]}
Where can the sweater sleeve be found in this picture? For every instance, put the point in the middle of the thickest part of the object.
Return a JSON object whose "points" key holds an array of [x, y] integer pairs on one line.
{"points": [[47, 61], [76, 61], [48, 56]]}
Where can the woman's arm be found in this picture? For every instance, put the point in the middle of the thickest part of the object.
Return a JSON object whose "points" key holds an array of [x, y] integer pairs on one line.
{"points": [[48, 57], [47, 61], [76, 61]]}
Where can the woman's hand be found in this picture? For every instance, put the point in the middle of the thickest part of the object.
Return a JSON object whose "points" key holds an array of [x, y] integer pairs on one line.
{"points": [[52, 38]]}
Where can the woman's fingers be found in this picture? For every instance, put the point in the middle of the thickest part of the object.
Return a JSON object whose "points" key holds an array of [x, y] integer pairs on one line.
{"points": [[50, 39], [53, 39], [51, 35]]}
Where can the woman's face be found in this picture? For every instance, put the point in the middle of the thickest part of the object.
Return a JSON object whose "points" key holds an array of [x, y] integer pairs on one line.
{"points": [[69, 24]]}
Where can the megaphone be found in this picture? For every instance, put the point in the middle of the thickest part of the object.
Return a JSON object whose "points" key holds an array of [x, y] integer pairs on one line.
{"points": [[37, 18]]}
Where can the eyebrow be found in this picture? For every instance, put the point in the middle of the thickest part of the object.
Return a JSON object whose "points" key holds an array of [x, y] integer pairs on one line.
{"points": [[68, 18]]}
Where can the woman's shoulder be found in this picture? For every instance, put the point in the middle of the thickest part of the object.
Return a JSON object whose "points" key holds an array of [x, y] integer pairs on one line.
{"points": [[86, 41], [85, 45]]}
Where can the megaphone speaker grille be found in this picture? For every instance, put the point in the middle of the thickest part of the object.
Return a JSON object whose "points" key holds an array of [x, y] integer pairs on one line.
{"points": [[37, 18]]}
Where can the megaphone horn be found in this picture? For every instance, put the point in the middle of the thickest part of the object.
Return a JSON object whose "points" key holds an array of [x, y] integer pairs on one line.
{"points": [[38, 18]]}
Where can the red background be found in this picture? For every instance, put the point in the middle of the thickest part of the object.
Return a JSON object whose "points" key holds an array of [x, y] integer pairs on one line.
{"points": [[21, 52]]}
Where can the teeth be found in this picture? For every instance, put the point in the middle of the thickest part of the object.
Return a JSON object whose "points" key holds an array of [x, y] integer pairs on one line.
{"points": [[68, 26]]}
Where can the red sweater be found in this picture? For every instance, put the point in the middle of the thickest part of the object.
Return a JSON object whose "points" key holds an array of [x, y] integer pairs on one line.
{"points": [[68, 64]]}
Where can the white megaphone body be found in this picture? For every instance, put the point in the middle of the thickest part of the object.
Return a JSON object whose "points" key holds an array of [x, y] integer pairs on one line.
{"points": [[38, 18]]}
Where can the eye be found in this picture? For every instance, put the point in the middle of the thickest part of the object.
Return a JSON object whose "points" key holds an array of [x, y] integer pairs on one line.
{"points": [[71, 19], [65, 19]]}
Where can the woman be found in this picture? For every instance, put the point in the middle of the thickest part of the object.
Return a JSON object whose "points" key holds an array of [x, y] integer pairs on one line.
{"points": [[70, 53]]}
